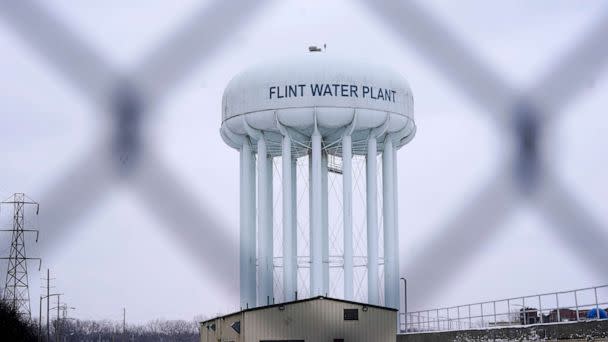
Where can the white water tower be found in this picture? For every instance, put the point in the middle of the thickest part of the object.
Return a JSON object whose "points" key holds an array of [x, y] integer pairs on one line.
{"points": [[300, 125]]}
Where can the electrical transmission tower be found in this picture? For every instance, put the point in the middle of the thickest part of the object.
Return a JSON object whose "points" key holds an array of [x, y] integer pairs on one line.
{"points": [[16, 289]]}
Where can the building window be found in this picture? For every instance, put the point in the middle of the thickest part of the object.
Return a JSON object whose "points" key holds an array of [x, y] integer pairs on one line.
{"points": [[351, 314], [236, 326]]}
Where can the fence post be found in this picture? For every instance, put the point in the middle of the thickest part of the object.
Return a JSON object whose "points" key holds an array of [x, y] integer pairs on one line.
{"points": [[458, 315], [470, 316], [437, 319], [409, 322], [597, 305], [540, 309], [481, 307], [494, 304], [509, 311], [576, 304], [447, 311], [523, 308], [421, 317], [559, 318]]}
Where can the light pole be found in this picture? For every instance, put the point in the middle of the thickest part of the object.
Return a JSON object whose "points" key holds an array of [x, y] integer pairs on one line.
{"points": [[404, 303], [47, 316]]}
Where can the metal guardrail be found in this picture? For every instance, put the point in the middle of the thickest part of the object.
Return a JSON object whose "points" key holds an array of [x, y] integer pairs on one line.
{"points": [[573, 305]]}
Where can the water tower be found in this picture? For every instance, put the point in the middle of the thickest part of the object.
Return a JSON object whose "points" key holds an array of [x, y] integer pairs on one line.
{"points": [[301, 124]]}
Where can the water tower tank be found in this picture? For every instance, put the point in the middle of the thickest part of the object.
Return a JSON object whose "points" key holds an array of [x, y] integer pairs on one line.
{"points": [[319, 108]]}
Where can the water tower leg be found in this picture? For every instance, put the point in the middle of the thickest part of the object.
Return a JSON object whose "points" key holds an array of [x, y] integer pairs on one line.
{"points": [[347, 181], [372, 221], [289, 260], [316, 218], [264, 223], [396, 255], [294, 224], [391, 279], [270, 221], [247, 226], [324, 209]]}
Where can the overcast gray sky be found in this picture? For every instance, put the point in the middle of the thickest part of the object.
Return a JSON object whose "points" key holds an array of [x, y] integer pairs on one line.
{"points": [[119, 255]]}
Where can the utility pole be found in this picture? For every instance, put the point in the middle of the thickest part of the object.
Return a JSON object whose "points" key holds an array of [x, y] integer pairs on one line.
{"points": [[124, 321], [405, 302], [61, 308], [57, 327], [40, 319], [48, 304], [48, 307], [16, 287], [65, 309]]}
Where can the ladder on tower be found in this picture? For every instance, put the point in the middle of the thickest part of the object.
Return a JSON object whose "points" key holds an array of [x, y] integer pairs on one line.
{"points": [[334, 164]]}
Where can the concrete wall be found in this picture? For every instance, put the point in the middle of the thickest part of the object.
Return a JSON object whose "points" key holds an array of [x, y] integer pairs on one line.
{"points": [[592, 330]]}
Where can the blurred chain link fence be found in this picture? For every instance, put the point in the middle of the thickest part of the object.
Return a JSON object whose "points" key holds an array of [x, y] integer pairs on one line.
{"points": [[130, 97], [527, 114]]}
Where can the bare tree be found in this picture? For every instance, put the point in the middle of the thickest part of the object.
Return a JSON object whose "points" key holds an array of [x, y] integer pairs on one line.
{"points": [[153, 331]]}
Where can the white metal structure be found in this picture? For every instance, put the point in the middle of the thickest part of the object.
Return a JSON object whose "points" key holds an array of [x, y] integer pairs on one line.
{"points": [[314, 107]]}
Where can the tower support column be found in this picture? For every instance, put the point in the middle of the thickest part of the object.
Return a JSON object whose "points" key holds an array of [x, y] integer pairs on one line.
{"points": [[347, 205], [325, 216], [391, 272], [294, 219], [265, 250], [289, 228], [372, 221], [316, 217], [247, 237], [396, 223]]}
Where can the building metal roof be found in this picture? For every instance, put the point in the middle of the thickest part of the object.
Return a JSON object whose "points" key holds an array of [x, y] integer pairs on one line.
{"points": [[301, 301]]}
